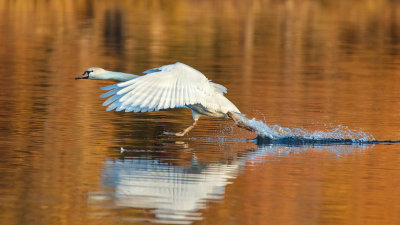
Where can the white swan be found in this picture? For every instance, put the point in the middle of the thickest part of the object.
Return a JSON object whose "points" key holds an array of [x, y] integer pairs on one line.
{"points": [[170, 86]]}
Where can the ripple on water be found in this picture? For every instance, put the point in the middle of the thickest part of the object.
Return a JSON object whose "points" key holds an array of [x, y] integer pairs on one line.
{"points": [[276, 133]]}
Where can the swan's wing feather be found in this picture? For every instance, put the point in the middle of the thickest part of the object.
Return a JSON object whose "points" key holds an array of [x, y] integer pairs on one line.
{"points": [[152, 70], [110, 100], [159, 69], [169, 86], [219, 88], [106, 88], [108, 94]]}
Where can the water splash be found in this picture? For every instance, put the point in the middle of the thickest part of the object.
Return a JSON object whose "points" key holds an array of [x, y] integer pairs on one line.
{"points": [[339, 134]]}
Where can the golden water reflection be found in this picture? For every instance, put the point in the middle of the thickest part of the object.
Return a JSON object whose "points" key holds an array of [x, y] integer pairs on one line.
{"points": [[309, 64]]}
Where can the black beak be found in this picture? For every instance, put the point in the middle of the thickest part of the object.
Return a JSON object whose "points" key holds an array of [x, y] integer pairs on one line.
{"points": [[85, 75]]}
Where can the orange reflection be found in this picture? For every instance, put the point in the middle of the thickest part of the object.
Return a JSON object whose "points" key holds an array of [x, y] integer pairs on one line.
{"points": [[299, 63]]}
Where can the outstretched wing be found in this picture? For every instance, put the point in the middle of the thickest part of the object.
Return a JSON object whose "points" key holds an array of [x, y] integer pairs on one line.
{"points": [[170, 86], [219, 88]]}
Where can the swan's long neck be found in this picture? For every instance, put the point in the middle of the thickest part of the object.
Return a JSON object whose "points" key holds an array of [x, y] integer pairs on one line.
{"points": [[118, 76]]}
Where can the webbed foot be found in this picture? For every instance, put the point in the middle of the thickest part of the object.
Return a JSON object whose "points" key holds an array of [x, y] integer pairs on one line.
{"points": [[179, 134]]}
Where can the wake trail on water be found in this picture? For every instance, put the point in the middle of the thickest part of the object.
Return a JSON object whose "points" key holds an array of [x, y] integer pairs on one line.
{"points": [[276, 134]]}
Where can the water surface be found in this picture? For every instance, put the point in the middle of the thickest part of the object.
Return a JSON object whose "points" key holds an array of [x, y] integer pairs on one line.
{"points": [[311, 65]]}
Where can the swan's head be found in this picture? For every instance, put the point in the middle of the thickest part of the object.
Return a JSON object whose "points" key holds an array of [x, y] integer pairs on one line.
{"points": [[93, 73]]}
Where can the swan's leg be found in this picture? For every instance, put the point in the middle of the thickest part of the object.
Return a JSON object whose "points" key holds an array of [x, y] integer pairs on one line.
{"points": [[196, 117], [185, 131], [237, 118]]}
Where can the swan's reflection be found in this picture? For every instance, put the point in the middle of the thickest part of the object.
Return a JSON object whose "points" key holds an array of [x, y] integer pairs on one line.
{"points": [[175, 193]]}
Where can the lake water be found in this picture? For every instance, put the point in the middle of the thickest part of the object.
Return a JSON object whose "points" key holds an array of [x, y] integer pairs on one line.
{"points": [[312, 65]]}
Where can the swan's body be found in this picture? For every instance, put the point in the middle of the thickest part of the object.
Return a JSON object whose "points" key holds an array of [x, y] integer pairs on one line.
{"points": [[171, 86]]}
